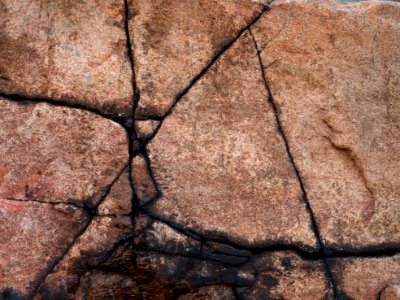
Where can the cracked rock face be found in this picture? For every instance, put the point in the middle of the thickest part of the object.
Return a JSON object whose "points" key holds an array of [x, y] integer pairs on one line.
{"points": [[221, 164], [173, 41], [336, 82], [57, 154], [68, 51], [258, 158]]}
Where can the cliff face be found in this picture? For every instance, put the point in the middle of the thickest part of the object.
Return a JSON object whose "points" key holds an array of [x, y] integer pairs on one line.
{"points": [[200, 149]]}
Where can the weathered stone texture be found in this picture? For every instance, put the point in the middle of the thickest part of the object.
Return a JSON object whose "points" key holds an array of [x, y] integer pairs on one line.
{"points": [[221, 165], [174, 41], [33, 236], [57, 154], [73, 51], [336, 82], [285, 275], [365, 278]]}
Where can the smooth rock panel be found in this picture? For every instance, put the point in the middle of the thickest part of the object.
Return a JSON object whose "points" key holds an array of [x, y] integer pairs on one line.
{"points": [[336, 82], [57, 154], [69, 51], [365, 277]]}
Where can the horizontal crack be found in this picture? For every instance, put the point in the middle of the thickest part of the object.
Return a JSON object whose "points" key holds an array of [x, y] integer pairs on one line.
{"points": [[61, 103]]}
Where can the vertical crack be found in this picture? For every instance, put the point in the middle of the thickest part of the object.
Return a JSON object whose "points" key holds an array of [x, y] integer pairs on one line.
{"points": [[130, 128], [299, 178]]}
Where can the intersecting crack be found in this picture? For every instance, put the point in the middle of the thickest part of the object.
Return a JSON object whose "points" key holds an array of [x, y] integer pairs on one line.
{"points": [[103, 195]]}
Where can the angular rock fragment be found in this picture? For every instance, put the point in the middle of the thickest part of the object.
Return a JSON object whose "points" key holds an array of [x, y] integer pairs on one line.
{"points": [[221, 165], [119, 199], [365, 277], [336, 82], [145, 129], [57, 154], [67, 51], [33, 236], [285, 275], [143, 183], [174, 41]]}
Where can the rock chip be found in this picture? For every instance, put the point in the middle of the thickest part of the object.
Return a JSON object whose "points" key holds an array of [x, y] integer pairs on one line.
{"points": [[145, 129], [68, 51], [174, 41], [58, 154], [221, 164], [285, 275], [119, 199], [335, 80], [365, 277], [33, 237], [145, 188]]}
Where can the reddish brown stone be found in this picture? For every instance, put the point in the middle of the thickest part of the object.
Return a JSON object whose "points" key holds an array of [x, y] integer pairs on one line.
{"points": [[145, 129], [365, 278], [392, 292], [92, 248], [57, 154], [119, 199], [33, 236], [67, 51], [221, 164], [336, 82], [145, 188], [173, 41]]}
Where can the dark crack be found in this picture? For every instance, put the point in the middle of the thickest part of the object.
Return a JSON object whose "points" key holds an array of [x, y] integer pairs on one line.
{"points": [[200, 75], [292, 161], [43, 277], [21, 99]]}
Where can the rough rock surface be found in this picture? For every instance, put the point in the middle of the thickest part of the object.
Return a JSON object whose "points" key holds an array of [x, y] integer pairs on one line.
{"points": [[57, 154], [257, 160], [68, 51], [392, 292], [228, 174], [365, 278], [33, 236], [174, 41], [335, 80], [284, 275]]}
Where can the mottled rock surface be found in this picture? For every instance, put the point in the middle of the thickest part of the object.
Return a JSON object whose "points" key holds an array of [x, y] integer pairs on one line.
{"points": [[365, 278], [68, 51], [57, 154], [285, 275], [174, 41], [33, 236], [221, 164], [258, 158], [335, 80], [392, 292]]}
